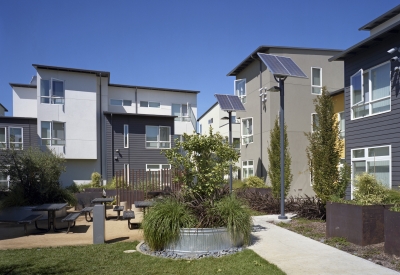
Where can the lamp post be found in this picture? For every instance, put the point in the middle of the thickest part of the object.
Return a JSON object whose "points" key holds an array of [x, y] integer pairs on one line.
{"points": [[230, 144]]}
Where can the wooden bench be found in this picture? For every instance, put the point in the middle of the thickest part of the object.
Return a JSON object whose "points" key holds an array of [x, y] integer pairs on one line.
{"points": [[28, 220], [71, 218], [87, 210], [128, 215], [118, 209]]}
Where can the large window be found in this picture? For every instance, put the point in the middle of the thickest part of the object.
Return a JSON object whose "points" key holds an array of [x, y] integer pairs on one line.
{"points": [[373, 160], [16, 138], [126, 136], [247, 169], [247, 130], [314, 122], [181, 111], [158, 137], [4, 181], [156, 172], [126, 173], [240, 89], [316, 81], [149, 104], [120, 102], [3, 137], [342, 128], [53, 133], [236, 144], [52, 91], [370, 91]]}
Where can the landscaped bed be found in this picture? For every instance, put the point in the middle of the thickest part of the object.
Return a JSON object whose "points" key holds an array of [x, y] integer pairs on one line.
{"points": [[315, 229], [111, 259]]}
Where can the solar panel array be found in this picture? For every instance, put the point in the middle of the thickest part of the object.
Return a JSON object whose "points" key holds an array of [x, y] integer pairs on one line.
{"points": [[281, 65], [230, 103]]}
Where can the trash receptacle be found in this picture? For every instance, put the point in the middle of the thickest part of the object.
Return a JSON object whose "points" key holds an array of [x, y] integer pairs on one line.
{"points": [[99, 224]]}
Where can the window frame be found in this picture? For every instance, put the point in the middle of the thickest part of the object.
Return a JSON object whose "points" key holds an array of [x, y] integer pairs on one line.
{"points": [[367, 159], [126, 173], [342, 133], [370, 102], [247, 166], [122, 102], [312, 121], [9, 138], [148, 104], [158, 141], [243, 98], [248, 135], [5, 139], [51, 134], [312, 78], [160, 169], [181, 117], [51, 97], [6, 181], [126, 136]]}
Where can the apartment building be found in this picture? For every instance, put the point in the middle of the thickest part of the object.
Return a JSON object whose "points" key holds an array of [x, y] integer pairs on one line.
{"points": [[252, 78], [95, 125], [372, 109], [2, 110]]}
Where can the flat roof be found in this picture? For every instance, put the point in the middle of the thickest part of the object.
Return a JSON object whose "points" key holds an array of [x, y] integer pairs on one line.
{"points": [[17, 117], [23, 85], [103, 73], [208, 110], [131, 114], [369, 42], [5, 109], [242, 65], [153, 88], [381, 19]]}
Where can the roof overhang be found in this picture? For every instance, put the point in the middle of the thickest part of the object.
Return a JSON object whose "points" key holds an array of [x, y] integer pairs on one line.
{"points": [[65, 69], [23, 85], [337, 92], [381, 19], [130, 114], [153, 88], [5, 109]]}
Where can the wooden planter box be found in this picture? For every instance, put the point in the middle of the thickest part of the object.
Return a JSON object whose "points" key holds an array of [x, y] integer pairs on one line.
{"points": [[359, 224], [392, 232]]}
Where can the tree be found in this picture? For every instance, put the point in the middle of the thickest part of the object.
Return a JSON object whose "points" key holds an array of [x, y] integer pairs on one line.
{"points": [[204, 162], [34, 177], [274, 157], [324, 151]]}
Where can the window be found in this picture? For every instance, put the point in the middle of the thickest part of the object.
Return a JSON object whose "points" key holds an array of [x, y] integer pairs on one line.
{"points": [[126, 173], [120, 102], [240, 89], [200, 129], [314, 122], [233, 119], [247, 130], [3, 138], [316, 81], [126, 136], [236, 144], [247, 169], [156, 173], [210, 121], [158, 137], [181, 111], [149, 104], [52, 91], [373, 160], [341, 125], [53, 133], [16, 138], [4, 181], [370, 91]]}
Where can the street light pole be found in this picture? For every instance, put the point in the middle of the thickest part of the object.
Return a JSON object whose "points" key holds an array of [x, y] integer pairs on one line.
{"points": [[282, 143], [230, 145]]}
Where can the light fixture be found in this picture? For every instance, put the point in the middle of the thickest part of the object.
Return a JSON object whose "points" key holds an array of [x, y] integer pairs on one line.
{"points": [[117, 150], [392, 50], [116, 158], [394, 59], [274, 89], [396, 69]]}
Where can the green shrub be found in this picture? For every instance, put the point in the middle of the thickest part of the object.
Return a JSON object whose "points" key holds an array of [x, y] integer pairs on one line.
{"points": [[368, 190], [254, 181], [393, 196], [96, 179], [161, 225], [84, 186], [236, 184], [73, 188]]}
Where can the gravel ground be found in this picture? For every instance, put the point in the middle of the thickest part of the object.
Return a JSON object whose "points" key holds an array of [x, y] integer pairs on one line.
{"points": [[317, 231]]}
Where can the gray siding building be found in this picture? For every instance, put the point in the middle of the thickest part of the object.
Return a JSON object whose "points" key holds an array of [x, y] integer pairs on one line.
{"points": [[372, 107], [252, 78]]}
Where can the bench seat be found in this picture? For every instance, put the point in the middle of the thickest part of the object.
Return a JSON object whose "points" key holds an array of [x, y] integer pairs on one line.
{"points": [[128, 215], [88, 211], [28, 220], [118, 209], [71, 218]]}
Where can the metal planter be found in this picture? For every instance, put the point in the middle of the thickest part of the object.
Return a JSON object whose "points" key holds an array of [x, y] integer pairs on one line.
{"points": [[359, 224], [392, 232], [201, 240]]}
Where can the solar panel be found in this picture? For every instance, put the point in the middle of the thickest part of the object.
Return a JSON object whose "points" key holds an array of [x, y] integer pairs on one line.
{"points": [[281, 65], [230, 103]]}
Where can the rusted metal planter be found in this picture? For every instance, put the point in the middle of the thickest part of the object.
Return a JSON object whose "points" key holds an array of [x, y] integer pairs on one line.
{"points": [[359, 224], [392, 232], [201, 240]]}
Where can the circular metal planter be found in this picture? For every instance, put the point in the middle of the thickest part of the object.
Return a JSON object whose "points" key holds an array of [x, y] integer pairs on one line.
{"points": [[201, 240]]}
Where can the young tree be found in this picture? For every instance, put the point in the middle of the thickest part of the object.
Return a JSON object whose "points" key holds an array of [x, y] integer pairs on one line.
{"points": [[205, 162], [274, 157], [34, 177], [324, 151]]}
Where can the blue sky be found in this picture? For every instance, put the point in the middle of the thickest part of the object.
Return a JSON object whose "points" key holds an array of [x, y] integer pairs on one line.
{"points": [[170, 44]]}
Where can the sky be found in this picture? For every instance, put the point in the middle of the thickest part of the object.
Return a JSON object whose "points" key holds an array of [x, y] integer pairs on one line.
{"points": [[186, 44]]}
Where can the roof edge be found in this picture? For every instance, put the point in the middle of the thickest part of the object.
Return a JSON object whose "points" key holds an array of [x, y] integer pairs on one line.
{"points": [[47, 67], [153, 88], [5, 109], [208, 110], [22, 85], [134, 114], [364, 28]]}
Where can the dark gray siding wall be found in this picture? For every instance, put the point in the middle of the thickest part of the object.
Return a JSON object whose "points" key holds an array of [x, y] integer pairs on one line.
{"points": [[381, 129], [30, 137], [137, 156]]}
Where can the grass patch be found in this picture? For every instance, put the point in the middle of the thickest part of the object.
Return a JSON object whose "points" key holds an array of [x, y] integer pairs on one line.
{"points": [[337, 241], [110, 259]]}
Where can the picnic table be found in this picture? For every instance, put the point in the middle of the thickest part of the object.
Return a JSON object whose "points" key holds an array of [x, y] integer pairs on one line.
{"points": [[144, 205], [103, 201], [51, 209]]}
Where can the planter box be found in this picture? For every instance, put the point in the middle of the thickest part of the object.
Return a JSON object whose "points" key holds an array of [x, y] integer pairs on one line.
{"points": [[201, 240], [359, 224], [392, 232]]}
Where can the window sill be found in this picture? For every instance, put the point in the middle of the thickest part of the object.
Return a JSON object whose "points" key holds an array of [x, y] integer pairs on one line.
{"points": [[371, 115]]}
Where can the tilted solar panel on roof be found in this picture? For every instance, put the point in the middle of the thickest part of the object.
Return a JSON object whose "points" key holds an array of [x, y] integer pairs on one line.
{"points": [[281, 65], [229, 103]]}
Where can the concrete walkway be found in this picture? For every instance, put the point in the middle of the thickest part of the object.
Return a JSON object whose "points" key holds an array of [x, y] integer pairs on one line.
{"points": [[296, 254]]}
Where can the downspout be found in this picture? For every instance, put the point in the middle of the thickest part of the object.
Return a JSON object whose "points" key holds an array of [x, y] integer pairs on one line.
{"points": [[101, 138], [112, 144], [136, 100]]}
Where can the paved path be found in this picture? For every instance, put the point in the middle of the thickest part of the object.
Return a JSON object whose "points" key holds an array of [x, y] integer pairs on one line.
{"points": [[296, 254]]}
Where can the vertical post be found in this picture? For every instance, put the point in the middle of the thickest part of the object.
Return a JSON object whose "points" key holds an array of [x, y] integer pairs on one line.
{"points": [[282, 143], [230, 144]]}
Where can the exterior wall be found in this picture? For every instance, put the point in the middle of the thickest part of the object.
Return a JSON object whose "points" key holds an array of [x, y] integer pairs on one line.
{"points": [[29, 134], [78, 171], [137, 156], [380, 129], [24, 102], [298, 109], [121, 93], [80, 113], [2, 110], [338, 107]]}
